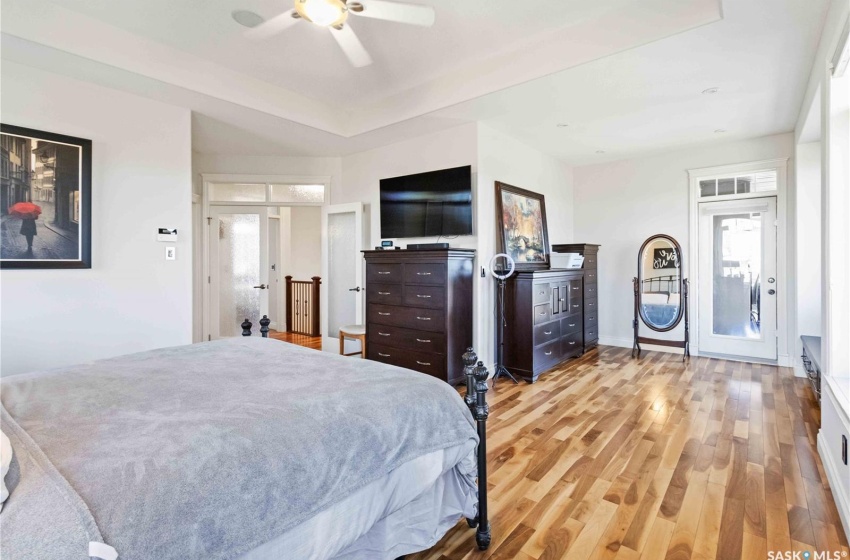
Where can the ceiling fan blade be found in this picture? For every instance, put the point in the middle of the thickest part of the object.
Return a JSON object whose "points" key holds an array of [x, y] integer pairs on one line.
{"points": [[273, 26], [351, 46], [412, 14]]}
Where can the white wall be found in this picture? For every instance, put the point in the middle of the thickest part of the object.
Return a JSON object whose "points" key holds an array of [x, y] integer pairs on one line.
{"points": [[620, 204], [808, 224], [131, 299]]}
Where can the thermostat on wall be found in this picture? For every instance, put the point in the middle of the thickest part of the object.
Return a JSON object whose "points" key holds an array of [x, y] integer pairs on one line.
{"points": [[167, 234]]}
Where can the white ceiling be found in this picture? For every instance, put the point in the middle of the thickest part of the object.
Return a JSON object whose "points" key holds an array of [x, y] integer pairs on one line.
{"points": [[626, 75]]}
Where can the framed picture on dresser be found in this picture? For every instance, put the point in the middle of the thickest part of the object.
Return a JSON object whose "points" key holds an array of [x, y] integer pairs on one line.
{"points": [[521, 222]]}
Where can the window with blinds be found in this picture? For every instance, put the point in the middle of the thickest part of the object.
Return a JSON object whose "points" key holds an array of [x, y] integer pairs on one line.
{"points": [[756, 182]]}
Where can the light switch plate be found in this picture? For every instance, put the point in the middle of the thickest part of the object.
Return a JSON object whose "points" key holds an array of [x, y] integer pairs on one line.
{"points": [[171, 253]]}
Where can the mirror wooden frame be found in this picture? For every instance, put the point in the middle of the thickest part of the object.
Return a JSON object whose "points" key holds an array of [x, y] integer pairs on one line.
{"points": [[640, 316]]}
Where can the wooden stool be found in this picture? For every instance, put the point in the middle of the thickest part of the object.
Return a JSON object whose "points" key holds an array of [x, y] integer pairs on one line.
{"points": [[353, 331]]}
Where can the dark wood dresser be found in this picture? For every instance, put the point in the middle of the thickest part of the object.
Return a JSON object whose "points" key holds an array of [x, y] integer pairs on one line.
{"points": [[543, 312], [419, 309], [591, 288]]}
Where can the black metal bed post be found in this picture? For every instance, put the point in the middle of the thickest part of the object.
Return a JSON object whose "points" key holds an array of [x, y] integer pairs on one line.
{"points": [[246, 327], [264, 326], [469, 358], [482, 410]]}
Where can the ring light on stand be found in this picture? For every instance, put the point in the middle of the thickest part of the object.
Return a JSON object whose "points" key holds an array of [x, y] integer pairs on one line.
{"points": [[501, 370]]}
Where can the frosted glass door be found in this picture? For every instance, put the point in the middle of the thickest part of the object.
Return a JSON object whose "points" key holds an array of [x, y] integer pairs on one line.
{"points": [[738, 283], [342, 241], [238, 279]]}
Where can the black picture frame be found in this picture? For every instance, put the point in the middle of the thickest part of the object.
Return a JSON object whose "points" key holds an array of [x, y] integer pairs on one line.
{"points": [[11, 194], [506, 239]]}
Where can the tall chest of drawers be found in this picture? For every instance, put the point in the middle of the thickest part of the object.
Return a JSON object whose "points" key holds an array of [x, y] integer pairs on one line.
{"points": [[544, 315], [591, 288], [419, 309]]}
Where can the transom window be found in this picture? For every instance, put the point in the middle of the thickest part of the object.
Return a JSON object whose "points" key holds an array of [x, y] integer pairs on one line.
{"points": [[730, 185], [267, 192]]}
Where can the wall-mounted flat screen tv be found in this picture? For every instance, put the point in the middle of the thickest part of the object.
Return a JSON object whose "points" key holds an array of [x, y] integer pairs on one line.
{"points": [[436, 203]]}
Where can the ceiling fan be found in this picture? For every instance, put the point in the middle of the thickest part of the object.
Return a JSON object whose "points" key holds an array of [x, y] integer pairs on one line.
{"points": [[333, 14]]}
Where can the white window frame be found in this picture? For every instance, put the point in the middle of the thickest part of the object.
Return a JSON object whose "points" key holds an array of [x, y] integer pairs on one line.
{"points": [[785, 329], [208, 179]]}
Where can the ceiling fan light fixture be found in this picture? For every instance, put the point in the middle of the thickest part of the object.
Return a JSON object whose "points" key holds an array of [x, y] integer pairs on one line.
{"points": [[324, 13]]}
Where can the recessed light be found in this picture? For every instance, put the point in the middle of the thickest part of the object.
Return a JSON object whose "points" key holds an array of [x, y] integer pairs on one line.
{"points": [[720, 131], [562, 125], [247, 18], [600, 151], [711, 90]]}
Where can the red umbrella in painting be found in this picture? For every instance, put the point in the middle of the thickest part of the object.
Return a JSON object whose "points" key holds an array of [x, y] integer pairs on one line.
{"points": [[25, 210]]}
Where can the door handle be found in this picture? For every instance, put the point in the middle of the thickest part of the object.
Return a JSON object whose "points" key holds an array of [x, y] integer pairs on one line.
{"points": [[357, 289], [261, 287], [771, 280], [771, 291]]}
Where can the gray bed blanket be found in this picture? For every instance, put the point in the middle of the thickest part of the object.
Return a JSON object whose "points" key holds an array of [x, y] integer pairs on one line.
{"points": [[209, 450]]}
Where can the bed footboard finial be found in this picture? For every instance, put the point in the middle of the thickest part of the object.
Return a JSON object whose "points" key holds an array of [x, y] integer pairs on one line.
{"points": [[264, 326], [481, 412], [246, 327], [469, 358]]}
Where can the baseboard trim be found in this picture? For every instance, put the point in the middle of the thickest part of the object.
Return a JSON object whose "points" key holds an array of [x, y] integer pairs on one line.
{"points": [[829, 465]]}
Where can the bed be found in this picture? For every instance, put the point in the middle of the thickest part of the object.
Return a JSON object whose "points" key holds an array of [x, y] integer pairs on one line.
{"points": [[244, 448]]}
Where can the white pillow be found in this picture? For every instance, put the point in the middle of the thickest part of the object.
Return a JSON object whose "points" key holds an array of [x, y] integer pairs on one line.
{"points": [[674, 299], [654, 299], [5, 462]]}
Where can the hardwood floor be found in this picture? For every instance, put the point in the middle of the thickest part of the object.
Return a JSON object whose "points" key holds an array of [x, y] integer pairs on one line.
{"points": [[314, 342], [614, 458]]}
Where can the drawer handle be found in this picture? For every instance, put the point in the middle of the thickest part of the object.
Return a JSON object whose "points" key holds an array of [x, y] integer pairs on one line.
{"points": [[384, 293], [423, 274], [383, 355], [423, 363], [549, 353], [590, 318], [540, 293], [384, 314], [562, 299], [572, 324], [590, 333], [543, 313], [576, 288], [420, 295], [423, 340], [575, 305], [572, 343], [383, 333], [424, 318], [547, 332], [383, 272]]}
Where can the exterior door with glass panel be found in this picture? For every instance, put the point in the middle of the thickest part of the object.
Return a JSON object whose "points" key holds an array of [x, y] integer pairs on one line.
{"points": [[738, 286], [342, 269], [238, 261]]}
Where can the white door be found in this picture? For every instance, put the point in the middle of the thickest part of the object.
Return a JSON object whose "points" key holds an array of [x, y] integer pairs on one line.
{"points": [[737, 278], [342, 272], [238, 261]]}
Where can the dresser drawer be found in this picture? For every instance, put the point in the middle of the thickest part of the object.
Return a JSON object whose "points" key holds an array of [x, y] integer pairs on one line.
{"points": [[591, 306], [590, 290], [546, 333], [591, 320], [573, 307], [425, 296], [424, 273], [571, 343], [388, 294], [590, 262], [430, 363], [574, 289], [571, 324], [541, 293], [590, 276], [398, 337], [548, 354], [417, 319], [381, 273], [542, 313], [591, 336]]}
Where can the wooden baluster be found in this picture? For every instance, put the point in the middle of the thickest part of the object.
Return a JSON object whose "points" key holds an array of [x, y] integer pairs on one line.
{"points": [[264, 326], [246, 327], [289, 304], [315, 326], [482, 411]]}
